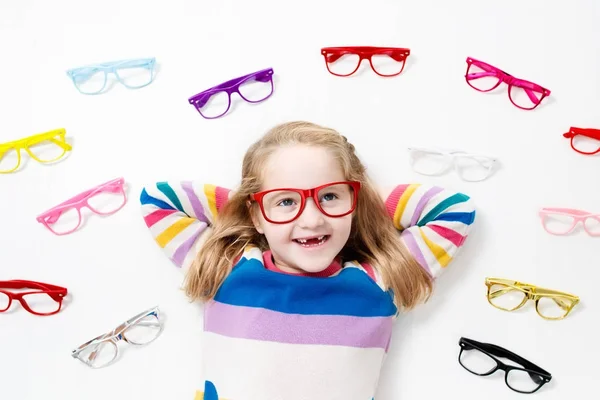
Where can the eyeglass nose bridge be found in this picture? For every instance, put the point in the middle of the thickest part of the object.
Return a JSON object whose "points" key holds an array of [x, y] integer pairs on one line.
{"points": [[308, 195], [507, 78]]}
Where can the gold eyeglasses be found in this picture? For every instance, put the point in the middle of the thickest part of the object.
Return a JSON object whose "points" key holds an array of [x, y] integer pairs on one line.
{"points": [[44, 147], [511, 295]]}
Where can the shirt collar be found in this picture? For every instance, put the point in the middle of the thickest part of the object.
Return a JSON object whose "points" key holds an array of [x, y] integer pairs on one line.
{"points": [[327, 272]]}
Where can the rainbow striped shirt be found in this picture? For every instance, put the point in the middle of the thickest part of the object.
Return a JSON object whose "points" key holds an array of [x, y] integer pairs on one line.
{"points": [[274, 336]]}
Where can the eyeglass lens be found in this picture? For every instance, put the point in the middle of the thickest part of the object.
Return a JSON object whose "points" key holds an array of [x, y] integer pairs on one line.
{"points": [[561, 224], [4, 301], [470, 168], [253, 90], [509, 298], [104, 202], [142, 332], [526, 97], [284, 205], [480, 363], [93, 80], [44, 151], [347, 63], [585, 144], [40, 302]]}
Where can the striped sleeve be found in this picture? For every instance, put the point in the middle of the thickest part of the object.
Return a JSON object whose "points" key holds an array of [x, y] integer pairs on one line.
{"points": [[434, 223], [180, 216]]}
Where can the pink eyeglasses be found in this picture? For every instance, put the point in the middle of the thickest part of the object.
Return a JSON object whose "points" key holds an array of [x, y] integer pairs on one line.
{"points": [[104, 199], [584, 140], [485, 78], [562, 221]]}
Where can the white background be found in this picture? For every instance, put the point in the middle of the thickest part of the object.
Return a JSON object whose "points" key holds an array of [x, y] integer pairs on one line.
{"points": [[112, 267]]}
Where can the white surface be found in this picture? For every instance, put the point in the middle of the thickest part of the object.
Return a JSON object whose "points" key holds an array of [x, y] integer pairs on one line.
{"points": [[114, 270]]}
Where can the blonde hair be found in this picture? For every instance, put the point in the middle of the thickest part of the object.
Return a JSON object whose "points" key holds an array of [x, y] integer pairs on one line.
{"points": [[373, 238]]}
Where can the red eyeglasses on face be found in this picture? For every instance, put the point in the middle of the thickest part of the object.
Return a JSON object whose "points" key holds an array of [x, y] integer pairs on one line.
{"points": [[44, 299], [584, 140], [385, 61], [281, 206]]}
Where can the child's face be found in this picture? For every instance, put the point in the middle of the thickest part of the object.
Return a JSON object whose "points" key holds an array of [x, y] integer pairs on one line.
{"points": [[303, 167]]}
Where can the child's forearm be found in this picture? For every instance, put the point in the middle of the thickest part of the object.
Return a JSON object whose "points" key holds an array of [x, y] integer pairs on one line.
{"points": [[434, 222], [180, 216]]}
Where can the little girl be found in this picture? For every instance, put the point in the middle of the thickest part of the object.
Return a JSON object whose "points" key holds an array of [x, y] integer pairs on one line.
{"points": [[305, 266]]}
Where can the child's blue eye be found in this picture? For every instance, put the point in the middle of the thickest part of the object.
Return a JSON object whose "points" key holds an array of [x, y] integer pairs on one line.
{"points": [[328, 197], [286, 202]]}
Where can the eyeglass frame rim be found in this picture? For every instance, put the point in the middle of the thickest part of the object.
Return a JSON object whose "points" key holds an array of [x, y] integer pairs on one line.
{"points": [[112, 67], [76, 353], [530, 294], [24, 143], [80, 201], [512, 81], [452, 155], [591, 133], [571, 212], [230, 87], [545, 375], [365, 53], [39, 287], [304, 195]]}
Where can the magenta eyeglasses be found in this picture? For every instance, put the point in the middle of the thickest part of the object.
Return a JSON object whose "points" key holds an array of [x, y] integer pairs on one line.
{"points": [[484, 77]]}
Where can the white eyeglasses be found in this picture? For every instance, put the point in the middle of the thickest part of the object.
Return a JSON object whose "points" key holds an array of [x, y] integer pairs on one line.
{"points": [[433, 161]]}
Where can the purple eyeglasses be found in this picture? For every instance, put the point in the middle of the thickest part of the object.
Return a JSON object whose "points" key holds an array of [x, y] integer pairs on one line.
{"points": [[216, 101], [485, 78]]}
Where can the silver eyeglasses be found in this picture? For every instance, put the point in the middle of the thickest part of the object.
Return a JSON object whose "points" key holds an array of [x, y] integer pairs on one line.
{"points": [[140, 330], [434, 161]]}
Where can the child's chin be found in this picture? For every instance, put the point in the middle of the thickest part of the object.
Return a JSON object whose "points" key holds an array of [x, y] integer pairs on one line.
{"points": [[315, 265]]}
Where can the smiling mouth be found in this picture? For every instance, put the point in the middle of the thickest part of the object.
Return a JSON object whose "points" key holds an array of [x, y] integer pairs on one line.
{"points": [[313, 242]]}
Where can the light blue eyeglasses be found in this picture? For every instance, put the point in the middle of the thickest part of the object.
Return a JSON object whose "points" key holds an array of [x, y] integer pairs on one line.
{"points": [[133, 74]]}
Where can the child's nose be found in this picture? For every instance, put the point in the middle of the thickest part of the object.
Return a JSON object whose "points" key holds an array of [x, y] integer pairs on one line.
{"points": [[311, 216]]}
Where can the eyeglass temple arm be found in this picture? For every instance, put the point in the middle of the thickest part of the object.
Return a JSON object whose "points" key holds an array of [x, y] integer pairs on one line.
{"points": [[477, 75], [56, 292], [589, 132], [503, 291], [398, 55], [571, 211], [23, 284], [61, 144], [502, 352], [562, 304], [142, 62]]}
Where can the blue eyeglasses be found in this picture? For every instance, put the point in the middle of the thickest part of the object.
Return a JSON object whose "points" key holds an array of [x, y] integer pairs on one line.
{"points": [[133, 74]]}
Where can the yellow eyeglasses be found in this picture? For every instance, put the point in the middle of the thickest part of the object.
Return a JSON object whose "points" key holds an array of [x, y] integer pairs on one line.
{"points": [[510, 295], [44, 147]]}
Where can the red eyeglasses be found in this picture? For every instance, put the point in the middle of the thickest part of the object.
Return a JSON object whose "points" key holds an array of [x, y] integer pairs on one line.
{"points": [[281, 206], [45, 299], [385, 61], [584, 140]]}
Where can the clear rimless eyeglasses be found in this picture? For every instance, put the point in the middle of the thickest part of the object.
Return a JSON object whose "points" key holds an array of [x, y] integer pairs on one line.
{"points": [[433, 161], [562, 221], [140, 330], [133, 74]]}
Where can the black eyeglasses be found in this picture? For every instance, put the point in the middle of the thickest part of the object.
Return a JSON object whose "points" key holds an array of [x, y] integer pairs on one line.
{"points": [[480, 359]]}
